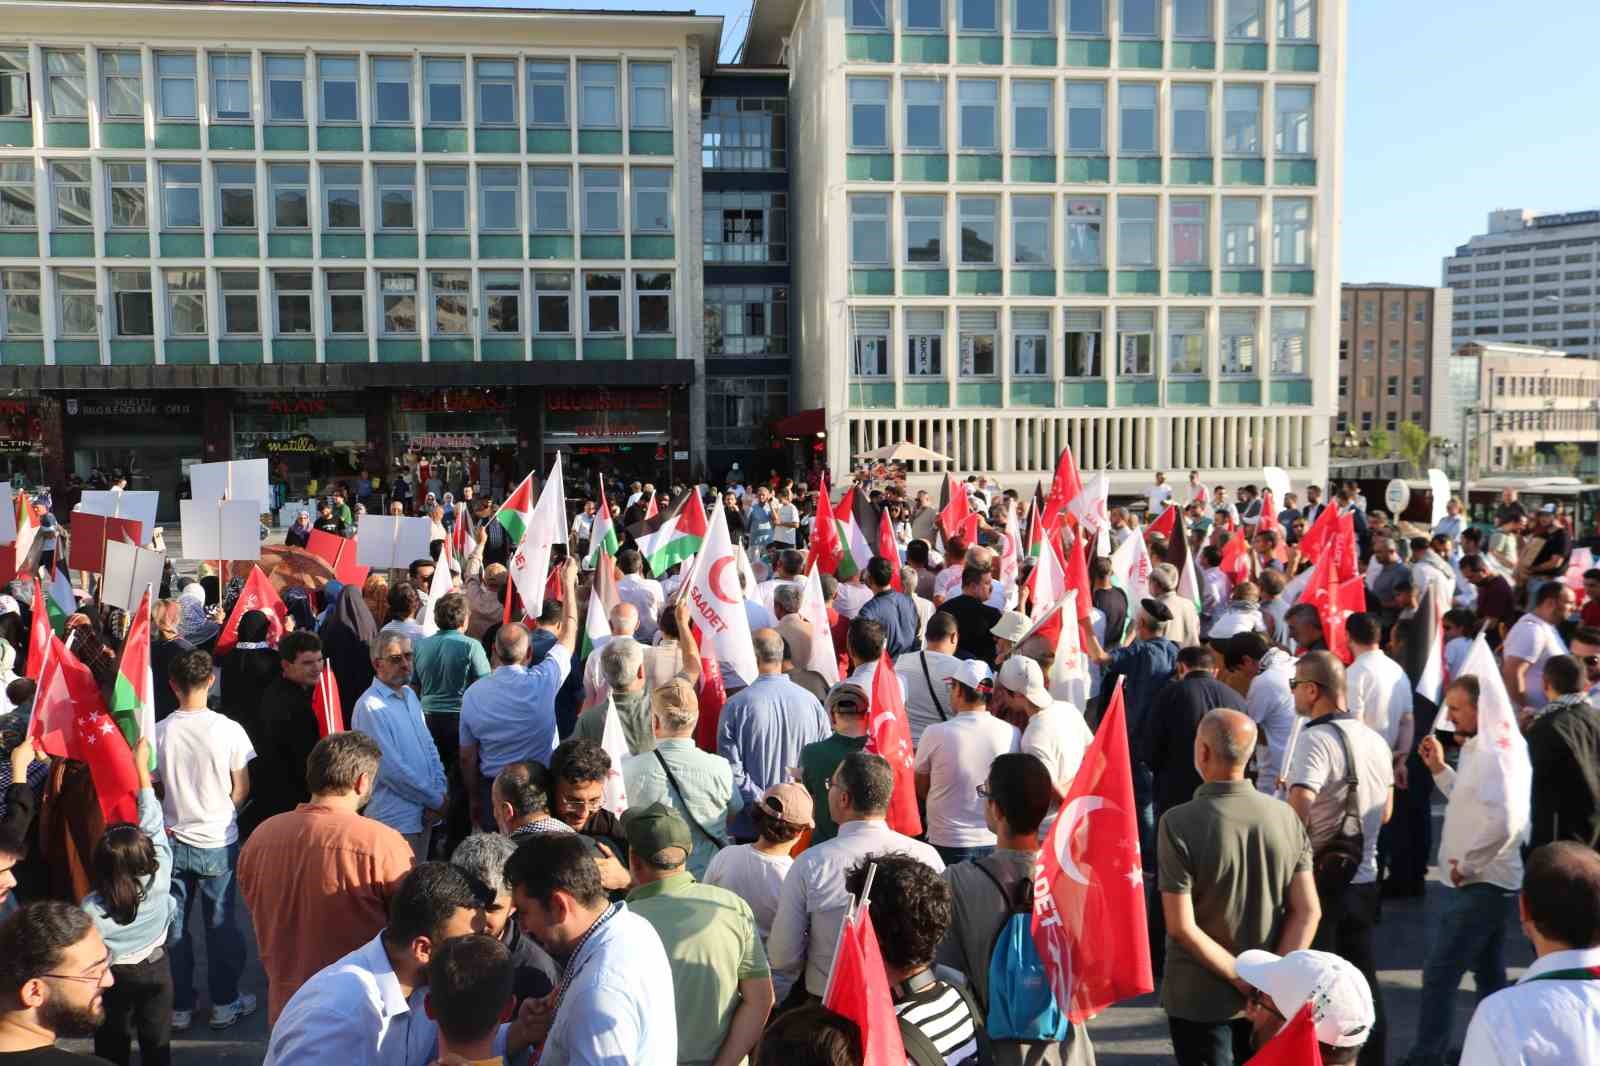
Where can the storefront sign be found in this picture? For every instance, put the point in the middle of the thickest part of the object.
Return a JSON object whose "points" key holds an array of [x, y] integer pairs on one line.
{"points": [[447, 441], [296, 405], [299, 443], [19, 447], [129, 406], [9, 408], [584, 400], [454, 400], [605, 414]]}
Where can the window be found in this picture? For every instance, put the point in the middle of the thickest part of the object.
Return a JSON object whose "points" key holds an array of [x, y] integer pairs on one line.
{"points": [[1296, 20], [1086, 116], [447, 199], [869, 342], [1030, 343], [550, 190], [443, 79], [747, 133], [923, 16], [1190, 221], [1419, 314], [978, 16], [241, 299], [978, 330], [602, 300], [924, 113], [650, 105], [1138, 105], [502, 302], [1141, 18], [397, 197], [652, 302], [180, 195], [924, 230], [391, 91], [1186, 343], [73, 196], [1369, 313], [1191, 120], [66, 78], [75, 301], [1136, 336], [738, 409], [547, 94], [1416, 385], [746, 227], [286, 88], [1240, 233], [1391, 420], [230, 87], [924, 343], [398, 290], [980, 105], [1396, 309], [652, 200], [498, 197], [868, 14], [1136, 231], [18, 205], [1086, 249], [1083, 332], [125, 197], [977, 218], [130, 293], [1245, 21], [1030, 16], [186, 302], [14, 101], [1292, 104], [1030, 115], [747, 320], [291, 299], [1030, 231], [347, 302], [869, 229], [338, 89], [869, 113], [1369, 348], [1238, 343], [497, 92], [1241, 120], [20, 313], [1191, 19], [597, 96], [1086, 18], [1291, 233], [341, 197], [452, 298], [552, 301], [121, 85], [1290, 326], [602, 200], [236, 195]]}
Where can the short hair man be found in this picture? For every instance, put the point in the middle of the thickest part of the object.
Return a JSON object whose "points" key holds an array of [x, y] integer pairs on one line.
{"points": [[975, 617], [409, 795], [579, 769], [643, 592], [953, 759], [698, 783], [1532, 642], [520, 801], [469, 996], [1564, 747], [893, 610], [483, 857], [846, 707], [1166, 744], [624, 662], [54, 971], [1340, 996], [1269, 699], [1055, 732], [1184, 629], [285, 730]]}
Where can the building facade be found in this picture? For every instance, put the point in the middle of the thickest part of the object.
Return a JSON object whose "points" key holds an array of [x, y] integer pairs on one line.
{"points": [[1514, 405], [348, 238], [1394, 359], [1530, 279], [1109, 223]]}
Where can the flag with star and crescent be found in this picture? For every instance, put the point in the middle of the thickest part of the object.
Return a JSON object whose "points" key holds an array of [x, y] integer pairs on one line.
{"points": [[70, 720]]}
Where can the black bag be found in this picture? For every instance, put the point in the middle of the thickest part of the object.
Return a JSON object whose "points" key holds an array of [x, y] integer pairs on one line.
{"points": [[672, 780], [1335, 863]]}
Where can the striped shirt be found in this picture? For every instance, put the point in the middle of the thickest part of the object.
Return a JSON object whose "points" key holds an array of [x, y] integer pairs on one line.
{"points": [[938, 1010]]}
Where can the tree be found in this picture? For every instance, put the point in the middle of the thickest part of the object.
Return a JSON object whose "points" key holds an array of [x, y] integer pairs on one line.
{"points": [[1378, 443], [1569, 455], [1414, 444]]}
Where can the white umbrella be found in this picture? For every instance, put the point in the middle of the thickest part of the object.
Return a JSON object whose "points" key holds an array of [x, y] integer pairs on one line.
{"points": [[905, 452]]}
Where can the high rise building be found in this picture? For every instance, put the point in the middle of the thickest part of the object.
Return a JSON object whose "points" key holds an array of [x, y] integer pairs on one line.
{"points": [[1394, 359]]}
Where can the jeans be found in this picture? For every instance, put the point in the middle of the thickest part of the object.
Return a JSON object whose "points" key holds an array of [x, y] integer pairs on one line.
{"points": [[1348, 917], [1209, 1043], [140, 1002], [1471, 935], [951, 856], [208, 874], [1405, 843]]}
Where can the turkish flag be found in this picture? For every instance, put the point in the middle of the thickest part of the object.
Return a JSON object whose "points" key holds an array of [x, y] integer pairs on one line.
{"points": [[1328, 529], [70, 720], [325, 704], [1078, 574], [39, 634], [1269, 514], [858, 989], [1294, 1045], [889, 735], [825, 549], [1165, 524], [954, 508], [1089, 924], [1236, 558], [1065, 486], [257, 595], [889, 548], [1335, 601]]}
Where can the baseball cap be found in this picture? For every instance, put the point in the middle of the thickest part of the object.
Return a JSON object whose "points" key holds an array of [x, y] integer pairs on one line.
{"points": [[848, 694], [1012, 625], [675, 695], [973, 673], [655, 828], [789, 802], [1021, 674], [1341, 1001], [1548, 508]]}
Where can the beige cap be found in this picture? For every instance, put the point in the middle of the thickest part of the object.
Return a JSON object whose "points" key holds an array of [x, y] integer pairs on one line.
{"points": [[789, 802], [676, 695], [1012, 625]]}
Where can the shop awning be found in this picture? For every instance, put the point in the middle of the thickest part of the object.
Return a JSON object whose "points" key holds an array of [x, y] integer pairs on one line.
{"points": [[800, 424]]}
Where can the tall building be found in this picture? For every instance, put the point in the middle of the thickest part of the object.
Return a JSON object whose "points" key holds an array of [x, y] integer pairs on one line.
{"points": [[1514, 406], [1104, 222], [1394, 358], [1530, 279]]}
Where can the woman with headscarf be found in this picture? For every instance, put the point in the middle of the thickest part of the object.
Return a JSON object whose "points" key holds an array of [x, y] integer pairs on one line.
{"points": [[449, 505], [196, 624], [247, 669], [165, 645], [299, 532], [346, 645], [376, 592]]}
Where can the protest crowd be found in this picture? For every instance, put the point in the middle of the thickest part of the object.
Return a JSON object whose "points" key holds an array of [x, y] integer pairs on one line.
{"points": [[791, 776]]}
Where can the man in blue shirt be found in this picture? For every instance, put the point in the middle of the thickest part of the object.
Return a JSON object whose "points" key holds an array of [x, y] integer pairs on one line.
{"points": [[758, 523], [409, 793], [893, 610]]}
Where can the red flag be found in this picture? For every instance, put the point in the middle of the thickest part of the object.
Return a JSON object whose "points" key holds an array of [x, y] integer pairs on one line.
{"points": [[1064, 487], [712, 694], [339, 553], [953, 507], [858, 988], [825, 550], [552, 585], [1269, 514], [1294, 1045], [1335, 601], [70, 720], [462, 533], [969, 529], [1089, 926], [325, 704], [1317, 534], [257, 595], [889, 548], [39, 633], [1078, 576], [889, 735], [1236, 558], [1165, 524], [651, 510]]}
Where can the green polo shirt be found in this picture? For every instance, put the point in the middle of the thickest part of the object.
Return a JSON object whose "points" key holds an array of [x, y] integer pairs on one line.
{"points": [[446, 664], [818, 761], [712, 944]]}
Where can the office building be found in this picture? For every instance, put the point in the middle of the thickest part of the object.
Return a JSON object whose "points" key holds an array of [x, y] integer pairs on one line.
{"points": [[1394, 365], [1514, 405]]}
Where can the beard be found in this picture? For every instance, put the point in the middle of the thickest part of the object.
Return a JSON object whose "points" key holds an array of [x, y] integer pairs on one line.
{"points": [[65, 1020]]}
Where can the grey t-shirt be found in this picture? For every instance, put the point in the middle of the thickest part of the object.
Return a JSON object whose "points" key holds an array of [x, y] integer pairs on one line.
{"points": [[1318, 764]]}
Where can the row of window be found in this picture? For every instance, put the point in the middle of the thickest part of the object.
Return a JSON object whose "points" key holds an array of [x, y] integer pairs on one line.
{"points": [[1520, 297], [174, 82], [341, 197], [746, 320], [744, 133], [1137, 351], [1514, 264], [446, 305], [1493, 315], [1391, 389], [1391, 422], [1085, 231], [1294, 21], [1397, 311], [1543, 385], [1032, 120], [1369, 348]]}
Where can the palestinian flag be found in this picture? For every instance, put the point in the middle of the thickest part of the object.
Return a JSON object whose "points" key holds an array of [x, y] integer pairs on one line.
{"points": [[652, 508], [516, 513], [28, 546], [133, 705], [602, 597], [857, 520], [673, 535], [1036, 525], [59, 601], [602, 531], [826, 551]]}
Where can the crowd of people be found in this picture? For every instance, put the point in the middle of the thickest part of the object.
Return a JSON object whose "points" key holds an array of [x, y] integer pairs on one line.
{"points": [[456, 878]]}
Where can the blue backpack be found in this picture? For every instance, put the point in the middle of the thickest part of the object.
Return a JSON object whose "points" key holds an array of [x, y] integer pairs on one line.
{"points": [[1021, 1004]]}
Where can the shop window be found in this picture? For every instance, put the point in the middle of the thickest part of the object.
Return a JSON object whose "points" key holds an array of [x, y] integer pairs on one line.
{"points": [[447, 199], [652, 302], [1030, 231], [452, 298], [979, 329], [738, 410], [1030, 343], [241, 302], [391, 91], [597, 96], [236, 195], [602, 294], [550, 189], [18, 205], [399, 291], [602, 200], [186, 302], [397, 198], [497, 92], [1186, 343], [547, 94], [1086, 248], [652, 201], [121, 85], [289, 192], [1136, 343], [20, 312], [924, 343], [285, 78], [125, 188], [502, 302], [1084, 336], [744, 133], [15, 100], [341, 197], [230, 87], [552, 302], [443, 78], [977, 221], [869, 342], [1238, 343], [746, 320], [131, 297], [746, 227], [291, 297], [337, 75], [66, 82], [347, 302], [651, 86], [498, 197], [74, 199]]}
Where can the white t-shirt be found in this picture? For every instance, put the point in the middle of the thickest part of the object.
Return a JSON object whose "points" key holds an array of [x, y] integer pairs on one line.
{"points": [[1058, 736], [197, 753], [786, 512], [956, 755], [1157, 497], [947, 584], [923, 705], [1535, 641], [1270, 705], [850, 598], [1379, 693], [754, 877], [1319, 765]]}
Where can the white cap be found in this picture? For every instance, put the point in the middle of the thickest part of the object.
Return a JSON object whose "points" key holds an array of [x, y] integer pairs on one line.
{"points": [[973, 673], [1012, 626], [1341, 1001], [1021, 674]]}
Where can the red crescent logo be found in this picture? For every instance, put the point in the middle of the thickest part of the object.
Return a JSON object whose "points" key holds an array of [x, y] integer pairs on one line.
{"points": [[715, 579]]}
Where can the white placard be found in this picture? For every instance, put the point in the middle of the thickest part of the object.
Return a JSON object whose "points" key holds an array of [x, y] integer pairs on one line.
{"points": [[229, 530], [388, 543], [1276, 479], [139, 506], [210, 481], [129, 570], [8, 514], [1439, 485]]}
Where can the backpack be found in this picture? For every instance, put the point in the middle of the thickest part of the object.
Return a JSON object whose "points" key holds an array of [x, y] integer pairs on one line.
{"points": [[1021, 1005]]}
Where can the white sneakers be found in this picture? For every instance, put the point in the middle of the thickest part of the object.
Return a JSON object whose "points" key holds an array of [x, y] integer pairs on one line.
{"points": [[228, 1013]]}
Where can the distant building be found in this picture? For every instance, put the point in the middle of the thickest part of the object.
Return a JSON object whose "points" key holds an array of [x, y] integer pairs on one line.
{"points": [[1394, 348], [1529, 280], [1522, 402]]}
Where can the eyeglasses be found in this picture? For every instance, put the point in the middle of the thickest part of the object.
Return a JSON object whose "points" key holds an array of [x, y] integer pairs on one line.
{"points": [[1297, 682], [399, 657], [95, 975], [576, 805], [984, 790]]}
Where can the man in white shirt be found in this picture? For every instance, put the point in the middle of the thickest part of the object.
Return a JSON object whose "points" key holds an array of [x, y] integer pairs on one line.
{"points": [[1379, 691], [785, 520], [1056, 733], [1552, 1014], [623, 621], [1534, 640], [1158, 496], [786, 572], [1269, 701], [203, 763], [582, 523], [644, 593], [851, 595], [923, 673], [953, 759], [811, 910]]}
